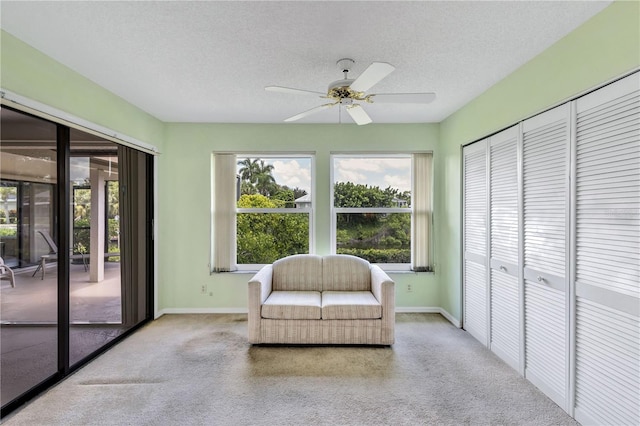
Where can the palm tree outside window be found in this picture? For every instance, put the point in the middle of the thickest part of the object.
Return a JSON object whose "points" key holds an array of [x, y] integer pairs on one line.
{"points": [[269, 222]]}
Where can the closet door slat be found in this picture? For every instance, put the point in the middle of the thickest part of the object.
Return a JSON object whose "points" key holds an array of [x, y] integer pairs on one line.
{"points": [[551, 265], [606, 365], [545, 331], [504, 208], [504, 287], [475, 195], [546, 209], [607, 253], [505, 317]]}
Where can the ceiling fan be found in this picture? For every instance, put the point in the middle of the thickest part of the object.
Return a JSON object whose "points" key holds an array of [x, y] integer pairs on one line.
{"points": [[348, 92]]}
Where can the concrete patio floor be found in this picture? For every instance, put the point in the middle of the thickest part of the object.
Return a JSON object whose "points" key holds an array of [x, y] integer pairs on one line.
{"points": [[35, 300]]}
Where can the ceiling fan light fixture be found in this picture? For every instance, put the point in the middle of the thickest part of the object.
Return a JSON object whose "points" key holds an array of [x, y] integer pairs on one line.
{"points": [[340, 89]]}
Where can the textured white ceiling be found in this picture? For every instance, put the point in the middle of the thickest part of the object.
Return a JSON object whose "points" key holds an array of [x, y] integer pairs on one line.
{"points": [[206, 61]]}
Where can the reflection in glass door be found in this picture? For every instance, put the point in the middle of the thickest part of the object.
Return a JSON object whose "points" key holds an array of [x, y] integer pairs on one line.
{"points": [[95, 282], [81, 200], [9, 222], [28, 247]]}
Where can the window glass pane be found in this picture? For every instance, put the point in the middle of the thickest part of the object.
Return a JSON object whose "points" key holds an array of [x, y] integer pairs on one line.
{"points": [[274, 182], [270, 183], [377, 237], [372, 181], [266, 237]]}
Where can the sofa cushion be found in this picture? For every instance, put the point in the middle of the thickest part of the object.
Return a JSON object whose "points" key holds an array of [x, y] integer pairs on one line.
{"points": [[346, 273], [350, 305], [292, 305], [300, 272]]}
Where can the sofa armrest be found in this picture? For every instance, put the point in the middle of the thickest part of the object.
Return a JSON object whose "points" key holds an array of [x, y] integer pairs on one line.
{"points": [[383, 288], [261, 283], [259, 290], [381, 283]]}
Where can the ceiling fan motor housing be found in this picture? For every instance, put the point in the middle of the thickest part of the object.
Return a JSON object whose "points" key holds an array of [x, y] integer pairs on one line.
{"points": [[340, 91]]}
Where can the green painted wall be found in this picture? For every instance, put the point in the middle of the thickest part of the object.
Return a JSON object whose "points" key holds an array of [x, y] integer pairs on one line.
{"points": [[28, 72], [185, 200], [184, 194], [605, 47]]}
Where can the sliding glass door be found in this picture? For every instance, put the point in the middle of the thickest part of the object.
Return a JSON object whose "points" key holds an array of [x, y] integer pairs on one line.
{"points": [[28, 297], [95, 284], [75, 234]]}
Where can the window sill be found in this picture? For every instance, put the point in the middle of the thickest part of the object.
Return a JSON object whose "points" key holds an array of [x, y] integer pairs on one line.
{"points": [[400, 272]]}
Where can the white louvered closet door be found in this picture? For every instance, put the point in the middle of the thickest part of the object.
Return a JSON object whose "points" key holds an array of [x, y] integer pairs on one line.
{"points": [[607, 255], [546, 213], [475, 319], [504, 282]]}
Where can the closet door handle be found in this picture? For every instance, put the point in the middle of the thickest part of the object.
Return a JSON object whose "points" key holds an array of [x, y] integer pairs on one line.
{"points": [[540, 279], [503, 268]]}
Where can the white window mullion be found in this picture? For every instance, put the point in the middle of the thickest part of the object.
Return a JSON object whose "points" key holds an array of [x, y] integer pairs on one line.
{"points": [[274, 210], [372, 210]]}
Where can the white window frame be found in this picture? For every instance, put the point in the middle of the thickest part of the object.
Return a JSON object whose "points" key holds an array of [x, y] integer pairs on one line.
{"points": [[400, 267], [310, 212]]}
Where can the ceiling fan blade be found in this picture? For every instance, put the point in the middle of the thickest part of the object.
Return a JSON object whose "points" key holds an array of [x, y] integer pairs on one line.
{"points": [[402, 98], [289, 90], [372, 75], [309, 112], [358, 114]]}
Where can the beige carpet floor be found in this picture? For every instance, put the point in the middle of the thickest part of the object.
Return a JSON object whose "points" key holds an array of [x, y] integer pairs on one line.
{"points": [[200, 370]]}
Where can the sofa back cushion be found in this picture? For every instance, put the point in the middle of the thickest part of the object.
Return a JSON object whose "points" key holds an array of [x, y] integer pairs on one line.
{"points": [[300, 272], [346, 273]]}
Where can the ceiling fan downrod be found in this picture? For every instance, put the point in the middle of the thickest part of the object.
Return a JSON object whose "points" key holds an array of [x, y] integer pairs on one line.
{"points": [[345, 65]]}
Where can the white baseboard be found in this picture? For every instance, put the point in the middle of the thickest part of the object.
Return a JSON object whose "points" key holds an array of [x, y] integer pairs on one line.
{"points": [[201, 311], [429, 310], [450, 318], [402, 310], [417, 310]]}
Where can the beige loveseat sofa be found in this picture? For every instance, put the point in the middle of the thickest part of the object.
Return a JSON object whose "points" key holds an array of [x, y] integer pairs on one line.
{"points": [[309, 299]]}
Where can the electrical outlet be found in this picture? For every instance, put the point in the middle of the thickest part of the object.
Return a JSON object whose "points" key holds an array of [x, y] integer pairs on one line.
{"points": [[203, 289], [409, 288]]}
